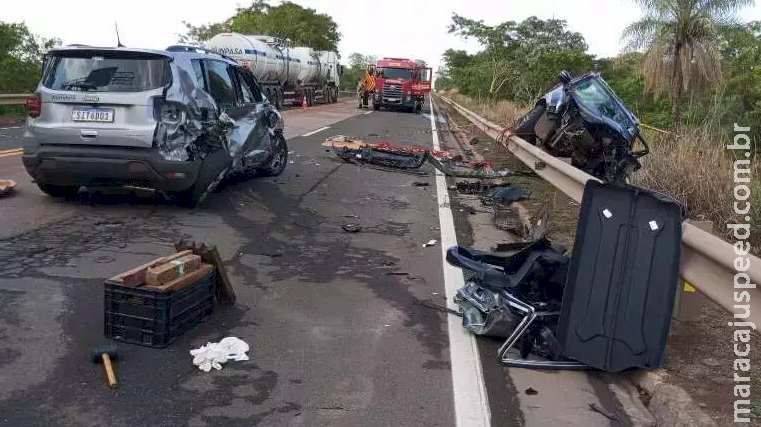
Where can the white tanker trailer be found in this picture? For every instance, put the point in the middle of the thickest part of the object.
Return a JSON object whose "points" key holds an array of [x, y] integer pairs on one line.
{"points": [[287, 74]]}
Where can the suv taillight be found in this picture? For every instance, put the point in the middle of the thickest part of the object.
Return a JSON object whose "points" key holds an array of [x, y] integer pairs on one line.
{"points": [[34, 106]]}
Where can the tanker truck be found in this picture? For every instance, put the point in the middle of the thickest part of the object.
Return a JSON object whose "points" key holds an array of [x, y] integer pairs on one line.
{"points": [[287, 75]]}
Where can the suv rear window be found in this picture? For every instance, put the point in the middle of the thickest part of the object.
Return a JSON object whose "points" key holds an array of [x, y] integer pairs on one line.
{"points": [[95, 71]]}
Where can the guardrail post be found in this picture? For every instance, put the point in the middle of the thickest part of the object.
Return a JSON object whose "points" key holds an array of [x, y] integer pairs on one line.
{"points": [[689, 301]]}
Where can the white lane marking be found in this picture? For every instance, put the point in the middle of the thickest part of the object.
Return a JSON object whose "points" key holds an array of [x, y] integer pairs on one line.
{"points": [[316, 131], [12, 127], [471, 403], [366, 113]]}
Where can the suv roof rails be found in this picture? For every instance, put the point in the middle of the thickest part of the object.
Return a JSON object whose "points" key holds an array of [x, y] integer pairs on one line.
{"points": [[191, 48]]}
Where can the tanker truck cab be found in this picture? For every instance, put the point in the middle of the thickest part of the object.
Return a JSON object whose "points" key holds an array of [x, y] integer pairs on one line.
{"points": [[401, 83]]}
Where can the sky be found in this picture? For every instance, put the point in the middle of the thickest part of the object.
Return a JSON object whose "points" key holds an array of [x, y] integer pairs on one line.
{"points": [[395, 28]]}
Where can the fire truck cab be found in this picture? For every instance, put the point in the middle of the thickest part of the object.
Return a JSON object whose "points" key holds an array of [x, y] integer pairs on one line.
{"points": [[401, 83]]}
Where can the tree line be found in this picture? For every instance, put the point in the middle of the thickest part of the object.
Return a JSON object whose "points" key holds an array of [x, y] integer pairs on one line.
{"points": [[685, 62]]}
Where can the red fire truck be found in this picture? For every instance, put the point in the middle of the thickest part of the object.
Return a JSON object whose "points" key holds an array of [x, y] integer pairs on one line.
{"points": [[401, 83]]}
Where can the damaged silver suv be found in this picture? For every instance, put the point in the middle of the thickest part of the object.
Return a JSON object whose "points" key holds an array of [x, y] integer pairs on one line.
{"points": [[177, 121]]}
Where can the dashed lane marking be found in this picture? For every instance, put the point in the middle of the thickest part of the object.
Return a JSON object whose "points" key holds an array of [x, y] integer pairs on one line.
{"points": [[316, 131]]}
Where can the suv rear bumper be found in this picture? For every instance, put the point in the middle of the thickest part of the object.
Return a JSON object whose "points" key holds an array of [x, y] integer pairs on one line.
{"points": [[105, 166]]}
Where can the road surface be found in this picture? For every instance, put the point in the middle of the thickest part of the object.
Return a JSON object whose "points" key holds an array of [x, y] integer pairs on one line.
{"points": [[337, 322]]}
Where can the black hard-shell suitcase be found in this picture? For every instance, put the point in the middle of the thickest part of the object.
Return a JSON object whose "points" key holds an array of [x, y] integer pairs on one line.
{"points": [[622, 280]]}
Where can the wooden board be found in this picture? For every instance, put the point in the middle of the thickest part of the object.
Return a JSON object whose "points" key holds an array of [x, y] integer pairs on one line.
{"points": [[224, 288], [170, 270], [184, 281], [136, 276]]}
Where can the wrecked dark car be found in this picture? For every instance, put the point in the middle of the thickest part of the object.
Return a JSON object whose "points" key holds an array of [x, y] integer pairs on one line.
{"points": [[176, 121], [582, 118]]}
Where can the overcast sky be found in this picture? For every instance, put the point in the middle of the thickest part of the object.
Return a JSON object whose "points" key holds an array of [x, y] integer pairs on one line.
{"points": [[401, 28]]}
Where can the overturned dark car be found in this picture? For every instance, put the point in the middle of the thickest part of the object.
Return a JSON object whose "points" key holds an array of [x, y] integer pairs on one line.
{"points": [[176, 121], [582, 118]]}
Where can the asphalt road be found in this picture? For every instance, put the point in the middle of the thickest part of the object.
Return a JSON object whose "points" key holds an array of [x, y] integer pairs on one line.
{"points": [[10, 137], [336, 321]]}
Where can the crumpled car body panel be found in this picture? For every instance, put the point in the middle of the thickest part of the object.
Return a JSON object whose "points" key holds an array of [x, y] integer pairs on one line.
{"points": [[203, 127]]}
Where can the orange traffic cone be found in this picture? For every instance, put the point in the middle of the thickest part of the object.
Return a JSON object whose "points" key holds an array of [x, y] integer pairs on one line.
{"points": [[304, 104]]}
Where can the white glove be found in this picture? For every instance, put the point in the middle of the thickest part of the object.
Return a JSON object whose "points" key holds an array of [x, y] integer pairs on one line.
{"points": [[213, 355]]}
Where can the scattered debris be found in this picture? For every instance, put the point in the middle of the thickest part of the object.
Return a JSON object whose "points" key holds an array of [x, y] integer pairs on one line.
{"points": [[352, 228], [410, 156], [420, 184], [6, 186], [505, 195], [503, 284], [515, 219], [431, 242], [394, 273], [475, 187], [607, 414], [531, 392], [213, 355], [547, 304]]}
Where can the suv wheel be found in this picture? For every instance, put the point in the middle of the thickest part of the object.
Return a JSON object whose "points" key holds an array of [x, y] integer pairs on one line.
{"points": [[279, 158], [67, 191]]}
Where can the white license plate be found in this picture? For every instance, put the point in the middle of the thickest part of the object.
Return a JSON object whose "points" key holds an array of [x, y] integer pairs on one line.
{"points": [[392, 99], [92, 115]]}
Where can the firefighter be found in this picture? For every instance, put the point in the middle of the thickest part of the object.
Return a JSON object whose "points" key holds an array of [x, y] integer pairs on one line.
{"points": [[361, 93]]}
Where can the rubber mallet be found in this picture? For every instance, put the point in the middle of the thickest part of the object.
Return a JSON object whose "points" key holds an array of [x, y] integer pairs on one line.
{"points": [[103, 354]]}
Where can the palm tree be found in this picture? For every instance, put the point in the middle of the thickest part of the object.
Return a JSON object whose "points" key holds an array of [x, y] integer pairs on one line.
{"points": [[681, 38]]}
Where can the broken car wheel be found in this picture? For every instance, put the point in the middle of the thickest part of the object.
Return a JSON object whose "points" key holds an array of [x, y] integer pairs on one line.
{"points": [[279, 158]]}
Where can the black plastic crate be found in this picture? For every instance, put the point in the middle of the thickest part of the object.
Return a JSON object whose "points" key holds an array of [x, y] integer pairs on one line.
{"points": [[146, 317]]}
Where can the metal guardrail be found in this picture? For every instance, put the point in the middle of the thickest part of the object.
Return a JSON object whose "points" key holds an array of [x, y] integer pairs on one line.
{"points": [[14, 98], [707, 261]]}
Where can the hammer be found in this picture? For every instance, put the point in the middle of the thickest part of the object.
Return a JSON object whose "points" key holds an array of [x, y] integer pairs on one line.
{"points": [[103, 354]]}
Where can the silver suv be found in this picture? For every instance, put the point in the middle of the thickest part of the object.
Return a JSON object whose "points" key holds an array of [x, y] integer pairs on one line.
{"points": [[176, 121]]}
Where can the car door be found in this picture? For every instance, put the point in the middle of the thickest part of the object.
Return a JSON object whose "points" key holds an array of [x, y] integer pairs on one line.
{"points": [[234, 113], [252, 101]]}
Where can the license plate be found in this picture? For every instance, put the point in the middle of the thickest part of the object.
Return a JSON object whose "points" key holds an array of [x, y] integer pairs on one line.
{"points": [[92, 115], [392, 99]]}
